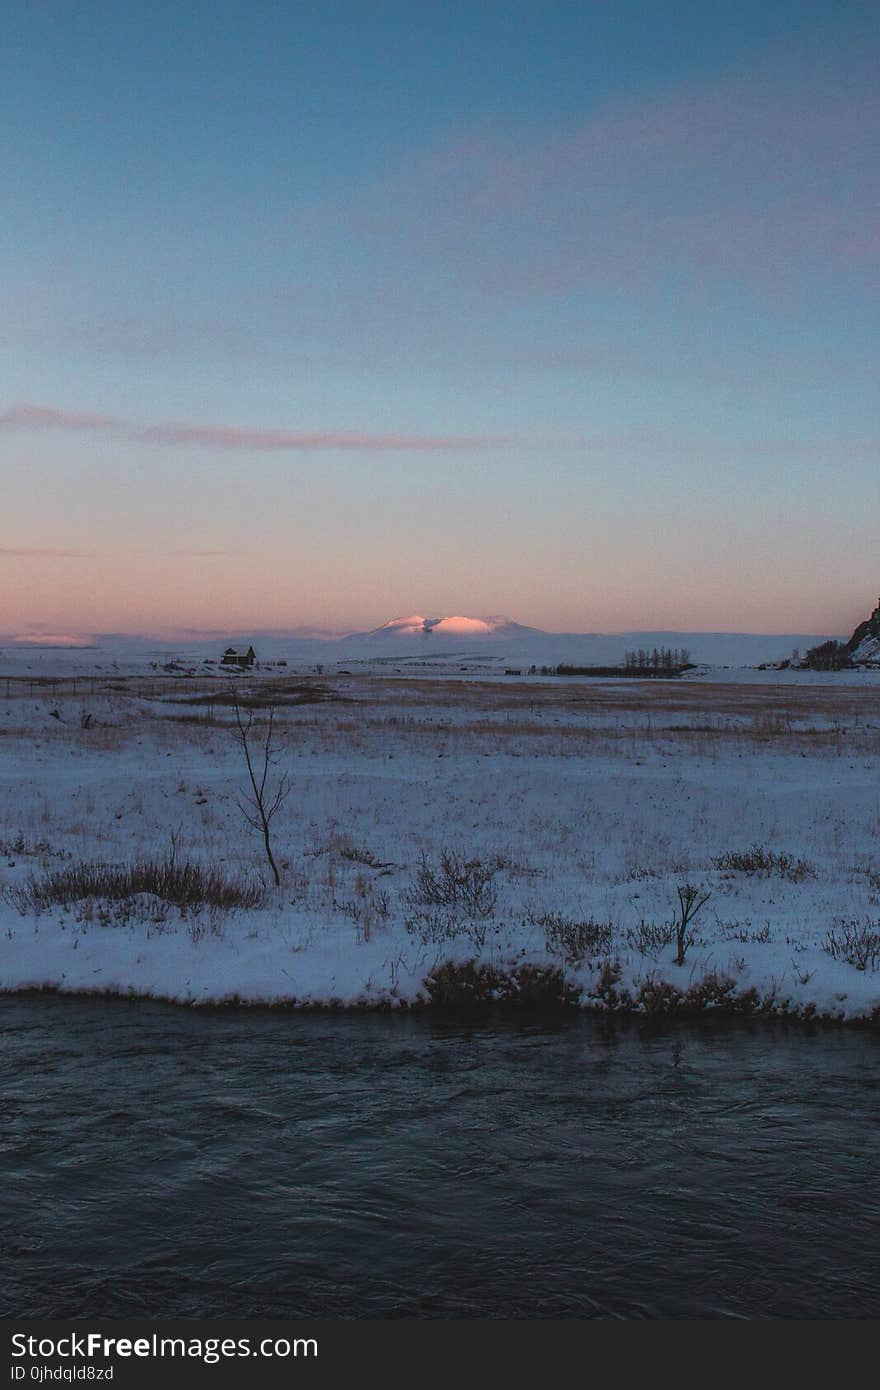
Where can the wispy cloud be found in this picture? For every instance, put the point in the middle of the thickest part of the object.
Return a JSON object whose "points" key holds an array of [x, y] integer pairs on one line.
{"points": [[644, 441], [31, 552], [767, 178], [37, 417], [38, 638]]}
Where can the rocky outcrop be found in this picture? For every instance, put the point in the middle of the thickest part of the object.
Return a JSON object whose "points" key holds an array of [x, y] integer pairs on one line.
{"points": [[864, 645]]}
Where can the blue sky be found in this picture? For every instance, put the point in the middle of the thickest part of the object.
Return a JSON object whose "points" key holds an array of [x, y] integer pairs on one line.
{"points": [[317, 314]]}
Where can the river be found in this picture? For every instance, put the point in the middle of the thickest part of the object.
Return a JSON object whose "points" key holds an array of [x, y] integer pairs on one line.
{"points": [[160, 1161]]}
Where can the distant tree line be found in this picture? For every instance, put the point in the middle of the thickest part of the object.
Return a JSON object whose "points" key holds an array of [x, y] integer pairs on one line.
{"points": [[828, 656], [663, 662], [671, 659]]}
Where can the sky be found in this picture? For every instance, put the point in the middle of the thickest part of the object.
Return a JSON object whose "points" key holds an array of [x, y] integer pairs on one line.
{"points": [[313, 315]]}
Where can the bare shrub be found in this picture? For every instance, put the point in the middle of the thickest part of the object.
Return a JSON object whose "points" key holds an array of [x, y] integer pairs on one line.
{"points": [[649, 938], [744, 932], [659, 998], [542, 988], [468, 884], [759, 860], [873, 877], [363, 915], [716, 992], [639, 872], [607, 989], [364, 912], [435, 928], [575, 941], [462, 984], [690, 900], [858, 943]]}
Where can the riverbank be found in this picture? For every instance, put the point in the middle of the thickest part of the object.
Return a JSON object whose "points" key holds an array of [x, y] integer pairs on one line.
{"points": [[451, 844], [474, 985]]}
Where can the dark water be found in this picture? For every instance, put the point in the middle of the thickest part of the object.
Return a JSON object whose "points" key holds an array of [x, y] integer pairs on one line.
{"points": [[157, 1161]]}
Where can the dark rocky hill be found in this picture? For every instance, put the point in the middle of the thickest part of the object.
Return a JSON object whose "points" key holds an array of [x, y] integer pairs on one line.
{"points": [[864, 645]]}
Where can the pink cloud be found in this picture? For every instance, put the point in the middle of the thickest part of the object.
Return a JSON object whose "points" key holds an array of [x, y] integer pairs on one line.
{"points": [[32, 417], [37, 553], [37, 417], [769, 178]]}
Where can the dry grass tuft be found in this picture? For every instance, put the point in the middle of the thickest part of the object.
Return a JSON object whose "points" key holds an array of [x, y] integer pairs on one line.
{"points": [[759, 860], [575, 941], [472, 984], [186, 885]]}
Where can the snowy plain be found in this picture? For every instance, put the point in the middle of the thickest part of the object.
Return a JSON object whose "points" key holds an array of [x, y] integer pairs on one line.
{"points": [[451, 645], [585, 804]]}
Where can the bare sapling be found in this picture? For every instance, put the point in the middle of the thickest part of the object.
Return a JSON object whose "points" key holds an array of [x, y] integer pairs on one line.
{"points": [[690, 901], [268, 791]]}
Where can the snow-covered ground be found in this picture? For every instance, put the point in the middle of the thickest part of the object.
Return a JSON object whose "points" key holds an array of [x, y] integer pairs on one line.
{"points": [[585, 804]]}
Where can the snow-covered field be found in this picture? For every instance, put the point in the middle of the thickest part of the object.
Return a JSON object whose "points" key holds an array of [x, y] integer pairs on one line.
{"points": [[573, 812], [448, 646]]}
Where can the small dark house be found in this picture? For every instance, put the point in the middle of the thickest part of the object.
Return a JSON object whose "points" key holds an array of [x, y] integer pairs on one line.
{"points": [[237, 656]]}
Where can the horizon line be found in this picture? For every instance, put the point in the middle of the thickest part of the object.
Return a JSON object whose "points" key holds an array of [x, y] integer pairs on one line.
{"points": [[325, 637]]}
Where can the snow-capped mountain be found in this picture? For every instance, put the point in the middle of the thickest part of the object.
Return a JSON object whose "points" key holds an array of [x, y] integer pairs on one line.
{"points": [[455, 627], [499, 642]]}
